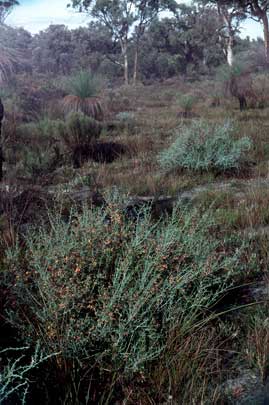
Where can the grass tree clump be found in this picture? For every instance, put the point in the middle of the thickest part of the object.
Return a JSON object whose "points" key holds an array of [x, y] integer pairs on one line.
{"points": [[78, 132], [117, 298], [204, 146], [127, 120], [186, 103], [42, 132], [83, 89]]}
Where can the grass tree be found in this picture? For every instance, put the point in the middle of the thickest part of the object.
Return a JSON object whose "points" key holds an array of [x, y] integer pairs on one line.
{"points": [[83, 88]]}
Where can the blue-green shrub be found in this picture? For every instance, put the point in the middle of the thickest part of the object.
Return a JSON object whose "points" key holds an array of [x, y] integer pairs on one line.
{"points": [[109, 293], [204, 146]]}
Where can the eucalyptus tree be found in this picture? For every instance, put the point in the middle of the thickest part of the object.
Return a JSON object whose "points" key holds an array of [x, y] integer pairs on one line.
{"points": [[126, 21], [236, 10], [230, 19], [258, 11], [52, 50], [5, 9], [184, 44]]}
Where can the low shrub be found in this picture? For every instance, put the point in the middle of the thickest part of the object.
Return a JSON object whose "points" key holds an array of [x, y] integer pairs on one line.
{"points": [[127, 121], [40, 162], [261, 89], [186, 102], [77, 134], [42, 131], [203, 146], [115, 297], [15, 374]]}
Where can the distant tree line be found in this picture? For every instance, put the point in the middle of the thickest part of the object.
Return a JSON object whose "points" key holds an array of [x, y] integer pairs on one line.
{"points": [[186, 45], [128, 39]]}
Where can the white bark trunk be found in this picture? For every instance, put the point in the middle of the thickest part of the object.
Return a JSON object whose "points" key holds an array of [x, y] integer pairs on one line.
{"points": [[124, 49], [135, 66], [230, 52]]}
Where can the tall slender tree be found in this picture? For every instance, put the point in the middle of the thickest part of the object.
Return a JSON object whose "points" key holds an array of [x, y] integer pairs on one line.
{"points": [[258, 11], [231, 16], [255, 9], [5, 9], [126, 20], [5, 63]]}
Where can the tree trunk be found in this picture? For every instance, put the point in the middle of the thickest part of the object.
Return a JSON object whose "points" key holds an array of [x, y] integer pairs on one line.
{"points": [[1, 149], [230, 51], [124, 48], [1, 154], [135, 66], [266, 36], [229, 37]]}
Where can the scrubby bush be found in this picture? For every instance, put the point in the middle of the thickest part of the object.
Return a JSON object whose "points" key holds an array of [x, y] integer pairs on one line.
{"points": [[186, 102], [42, 131], [34, 147], [78, 132], [118, 101], [127, 120], [15, 375], [203, 146], [40, 162], [113, 296], [261, 88]]}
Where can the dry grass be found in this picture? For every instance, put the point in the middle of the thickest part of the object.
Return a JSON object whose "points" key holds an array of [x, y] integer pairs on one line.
{"points": [[196, 361]]}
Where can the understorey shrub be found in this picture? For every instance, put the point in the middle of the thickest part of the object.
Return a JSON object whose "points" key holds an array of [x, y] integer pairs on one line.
{"points": [[186, 103], [36, 135], [127, 121], [113, 296], [78, 133], [261, 88], [15, 373], [38, 162], [204, 146]]}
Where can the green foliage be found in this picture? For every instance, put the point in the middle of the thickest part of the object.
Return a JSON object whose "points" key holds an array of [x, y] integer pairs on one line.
{"points": [[186, 102], [226, 72], [109, 294], [37, 150], [14, 376], [261, 89], [43, 130], [127, 120], [83, 84], [77, 134], [203, 146], [78, 129], [40, 162]]}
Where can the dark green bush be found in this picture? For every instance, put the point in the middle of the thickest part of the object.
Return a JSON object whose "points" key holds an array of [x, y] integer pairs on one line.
{"points": [[38, 162], [77, 133], [79, 129]]}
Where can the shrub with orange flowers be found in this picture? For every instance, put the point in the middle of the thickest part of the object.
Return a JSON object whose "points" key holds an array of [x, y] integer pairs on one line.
{"points": [[106, 292]]}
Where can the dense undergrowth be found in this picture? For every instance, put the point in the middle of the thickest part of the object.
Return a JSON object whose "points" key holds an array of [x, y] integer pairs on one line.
{"points": [[102, 307], [121, 309]]}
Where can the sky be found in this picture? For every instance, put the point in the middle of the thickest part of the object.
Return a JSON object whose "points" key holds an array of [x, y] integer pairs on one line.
{"points": [[37, 15]]}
